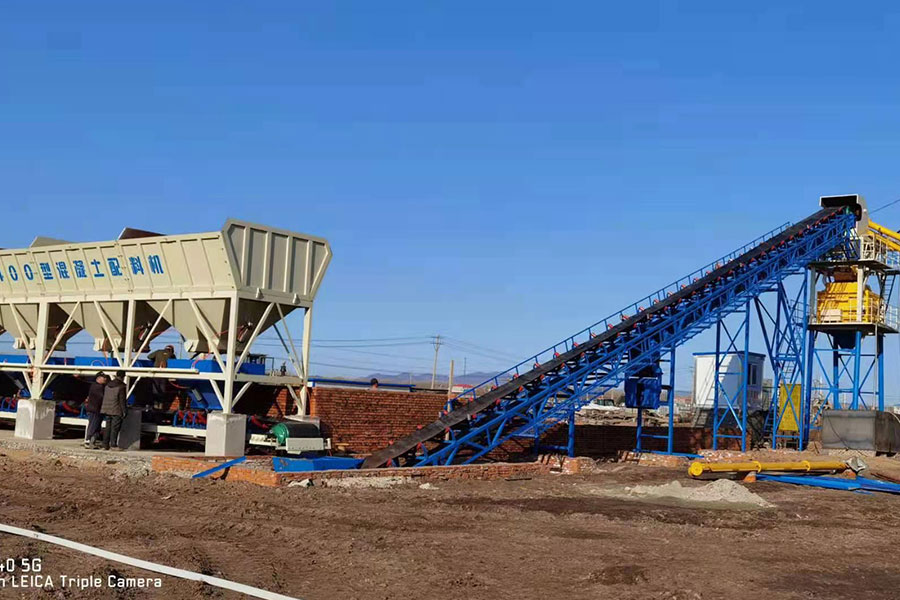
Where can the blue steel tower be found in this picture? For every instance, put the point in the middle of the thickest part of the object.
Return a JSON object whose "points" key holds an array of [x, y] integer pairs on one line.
{"points": [[850, 313]]}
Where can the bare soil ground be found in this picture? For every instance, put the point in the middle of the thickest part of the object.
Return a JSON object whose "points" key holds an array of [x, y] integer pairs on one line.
{"points": [[548, 537]]}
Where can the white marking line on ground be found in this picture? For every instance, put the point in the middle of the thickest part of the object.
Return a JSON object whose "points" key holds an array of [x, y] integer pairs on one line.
{"points": [[146, 565]]}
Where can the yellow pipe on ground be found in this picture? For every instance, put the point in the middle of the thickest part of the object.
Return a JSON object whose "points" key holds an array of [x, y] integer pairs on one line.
{"points": [[697, 469]]}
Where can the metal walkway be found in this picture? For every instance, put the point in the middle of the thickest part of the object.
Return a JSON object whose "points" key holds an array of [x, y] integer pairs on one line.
{"points": [[538, 393]]}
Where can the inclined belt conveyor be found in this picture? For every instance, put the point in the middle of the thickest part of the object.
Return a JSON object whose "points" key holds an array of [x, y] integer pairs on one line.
{"points": [[533, 396]]}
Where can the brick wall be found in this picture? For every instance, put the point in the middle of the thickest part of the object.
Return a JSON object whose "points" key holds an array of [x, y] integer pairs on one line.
{"points": [[258, 470], [362, 420], [608, 440]]}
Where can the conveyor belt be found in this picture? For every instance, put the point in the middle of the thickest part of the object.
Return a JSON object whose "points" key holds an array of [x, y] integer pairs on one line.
{"points": [[675, 306]]}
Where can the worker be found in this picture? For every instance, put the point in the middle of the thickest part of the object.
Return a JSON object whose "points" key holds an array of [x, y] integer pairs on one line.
{"points": [[161, 357], [158, 386], [92, 405], [114, 408], [373, 384]]}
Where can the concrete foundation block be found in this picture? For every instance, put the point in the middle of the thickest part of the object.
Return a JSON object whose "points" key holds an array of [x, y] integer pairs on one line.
{"points": [[130, 434], [226, 435], [35, 419]]}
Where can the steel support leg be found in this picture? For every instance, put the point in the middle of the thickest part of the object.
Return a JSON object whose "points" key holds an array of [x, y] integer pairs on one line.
{"points": [[807, 387], [640, 429], [836, 382], [670, 439], [716, 385], [745, 376], [879, 340], [857, 364]]}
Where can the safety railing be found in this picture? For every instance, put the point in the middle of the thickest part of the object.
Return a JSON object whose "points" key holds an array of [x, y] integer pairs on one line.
{"points": [[875, 249], [876, 311], [617, 317], [890, 316]]}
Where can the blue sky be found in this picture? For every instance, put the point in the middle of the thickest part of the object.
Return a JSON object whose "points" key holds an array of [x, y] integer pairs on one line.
{"points": [[503, 173]]}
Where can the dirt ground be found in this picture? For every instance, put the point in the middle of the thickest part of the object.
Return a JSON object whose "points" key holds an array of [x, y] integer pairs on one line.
{"points": [[547, 537]]}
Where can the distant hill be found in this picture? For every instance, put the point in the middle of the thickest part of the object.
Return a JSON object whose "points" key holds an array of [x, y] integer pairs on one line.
{"points": [[423, 380]]}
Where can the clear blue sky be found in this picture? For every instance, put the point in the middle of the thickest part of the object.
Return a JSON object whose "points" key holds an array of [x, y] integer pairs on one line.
{"points": [[504, 173]]}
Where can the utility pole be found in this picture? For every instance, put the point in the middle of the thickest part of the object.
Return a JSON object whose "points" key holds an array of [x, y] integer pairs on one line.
{"points": [[450, 387], [437, 346], [465, 360]]}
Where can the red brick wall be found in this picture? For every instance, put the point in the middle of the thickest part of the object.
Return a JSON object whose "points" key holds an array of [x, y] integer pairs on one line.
{"points": [[363, 420], [360, 420], [608, 440], [258, 470]]}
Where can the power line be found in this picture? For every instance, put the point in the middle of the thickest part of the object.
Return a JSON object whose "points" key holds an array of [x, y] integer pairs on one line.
{"points": [[490, 351], [417, 359], [424, 338], [872, 212]]}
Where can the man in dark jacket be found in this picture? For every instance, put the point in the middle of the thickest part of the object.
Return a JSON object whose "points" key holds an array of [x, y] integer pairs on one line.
{"points": [[92, 407], [114, 407]]}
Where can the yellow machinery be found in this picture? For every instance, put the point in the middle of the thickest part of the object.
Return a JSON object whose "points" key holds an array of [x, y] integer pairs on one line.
{"points": [[839, 303], [699, 469], [841, 300]]}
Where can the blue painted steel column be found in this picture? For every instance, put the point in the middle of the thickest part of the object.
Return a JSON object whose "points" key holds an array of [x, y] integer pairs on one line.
{"points": [[640, 429], [836, 381], [746, 378], [857, 363], [808, 383], [670, 441], [716, 386], [805, 365], [571, 446], [880, 350]]}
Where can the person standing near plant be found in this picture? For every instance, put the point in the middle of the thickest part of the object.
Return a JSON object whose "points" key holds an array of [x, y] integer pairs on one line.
{"points": [[114, 407], [92, 405]]}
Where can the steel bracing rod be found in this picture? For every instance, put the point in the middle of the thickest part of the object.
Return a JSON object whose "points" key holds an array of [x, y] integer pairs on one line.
{"points": [[292, 351], [253, 336], [106, 326], [241, 392], [212, 340], [731, 347], [150, 333], [857, 359], [607, 355], [134, 383], [26, 343], [802, 252], [62, 332]]}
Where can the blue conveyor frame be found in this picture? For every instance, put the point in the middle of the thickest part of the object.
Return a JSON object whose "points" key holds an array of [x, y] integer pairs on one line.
{"points": [[542, 391]]}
